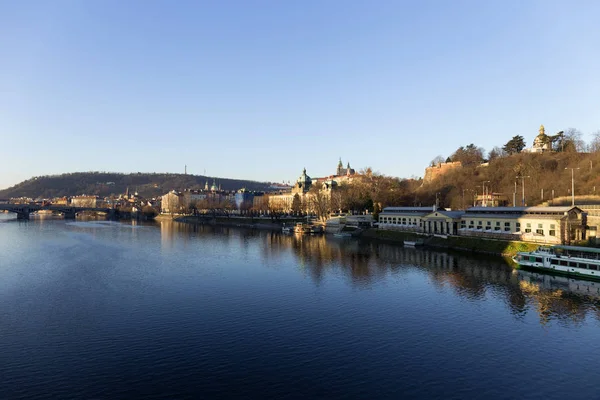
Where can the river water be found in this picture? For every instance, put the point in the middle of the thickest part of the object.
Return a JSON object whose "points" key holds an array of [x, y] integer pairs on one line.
{"points": [[109, 310]]}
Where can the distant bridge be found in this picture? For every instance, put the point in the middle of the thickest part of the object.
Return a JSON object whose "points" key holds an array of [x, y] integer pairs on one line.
{"points": [[23, 210]]}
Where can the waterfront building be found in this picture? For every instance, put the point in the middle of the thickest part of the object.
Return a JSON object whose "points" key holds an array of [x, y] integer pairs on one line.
{"points": [[192, 198], [61, 201], [84, 201], [553, 225], [404, 218], [442, 222], [171, 202]]}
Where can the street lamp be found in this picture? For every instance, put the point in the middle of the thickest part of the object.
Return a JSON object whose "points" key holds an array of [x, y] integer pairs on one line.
{"points": [[522, 184], [572, 185]]}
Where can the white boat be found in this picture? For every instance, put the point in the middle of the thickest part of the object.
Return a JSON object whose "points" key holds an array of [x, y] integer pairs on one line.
{"points": [[413, 243], [582, 262], [287, 229]]}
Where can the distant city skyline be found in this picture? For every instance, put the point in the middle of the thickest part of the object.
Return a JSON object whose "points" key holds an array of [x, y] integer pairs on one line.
{"points": [[259, 90]]}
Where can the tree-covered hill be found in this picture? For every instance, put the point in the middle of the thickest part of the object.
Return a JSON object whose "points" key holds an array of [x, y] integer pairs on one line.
{"points": [[108, 183], [545, 176]]}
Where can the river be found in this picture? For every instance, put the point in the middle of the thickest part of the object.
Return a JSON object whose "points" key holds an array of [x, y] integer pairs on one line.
{"points": [[107, 310]]}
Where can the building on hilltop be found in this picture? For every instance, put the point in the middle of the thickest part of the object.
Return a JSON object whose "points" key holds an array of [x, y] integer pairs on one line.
{"points": [[341, 171], [542, 142]]}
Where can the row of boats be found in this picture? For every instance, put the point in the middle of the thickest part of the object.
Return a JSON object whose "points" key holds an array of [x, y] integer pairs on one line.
{"points": [[307, 228], [303, 228]]}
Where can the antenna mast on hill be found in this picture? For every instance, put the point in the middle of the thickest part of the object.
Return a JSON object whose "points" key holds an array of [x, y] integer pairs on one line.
{"points": [[185, 172]]}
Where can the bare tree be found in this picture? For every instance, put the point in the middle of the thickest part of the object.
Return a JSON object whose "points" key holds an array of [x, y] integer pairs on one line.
{"points": [[437, 160], [319, 202], [594, 146]]}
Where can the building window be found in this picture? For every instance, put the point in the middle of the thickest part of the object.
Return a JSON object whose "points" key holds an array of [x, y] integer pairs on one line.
{"points": [[518, 227], [496, 228], [497, 223], [463, 224], [552, 232], [489, 223], [527, 230], [540, 226], [479, 223], [539, 231]]}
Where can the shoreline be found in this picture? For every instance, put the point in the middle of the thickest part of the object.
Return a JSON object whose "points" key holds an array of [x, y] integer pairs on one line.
{"points": [[238, 222], [467, 244]]}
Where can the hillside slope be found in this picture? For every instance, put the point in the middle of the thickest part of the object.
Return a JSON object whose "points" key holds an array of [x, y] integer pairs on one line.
{"points": [[107, 183], [545, 175]]}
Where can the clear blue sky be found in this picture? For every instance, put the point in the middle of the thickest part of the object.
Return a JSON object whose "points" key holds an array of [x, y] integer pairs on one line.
{"points": [[260, 89]]}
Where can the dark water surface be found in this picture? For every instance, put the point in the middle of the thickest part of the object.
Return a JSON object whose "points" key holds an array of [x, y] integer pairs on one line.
{"points": [[119, 311]]}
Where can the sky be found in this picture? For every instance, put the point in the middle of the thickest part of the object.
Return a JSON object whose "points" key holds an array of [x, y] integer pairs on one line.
{"points": [[262, 89]]}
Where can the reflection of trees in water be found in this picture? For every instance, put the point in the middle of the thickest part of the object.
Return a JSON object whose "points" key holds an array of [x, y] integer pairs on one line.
{"points": [[564, 299], [469, 275]]}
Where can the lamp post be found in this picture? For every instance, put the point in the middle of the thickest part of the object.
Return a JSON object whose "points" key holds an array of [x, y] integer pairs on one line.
{"points": [[523, 185], [572, 186]]}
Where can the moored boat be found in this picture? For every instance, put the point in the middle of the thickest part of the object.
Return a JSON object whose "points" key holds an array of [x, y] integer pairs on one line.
{"points": [[582, 262], [287, 229], [301, 228]]}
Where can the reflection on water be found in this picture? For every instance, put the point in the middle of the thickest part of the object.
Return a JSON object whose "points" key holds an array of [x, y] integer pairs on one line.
{"points": [[96, 309], [364, 262]]}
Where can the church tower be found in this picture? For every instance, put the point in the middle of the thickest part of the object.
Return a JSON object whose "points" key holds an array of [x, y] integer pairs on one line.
{"points": [[340, 168]]}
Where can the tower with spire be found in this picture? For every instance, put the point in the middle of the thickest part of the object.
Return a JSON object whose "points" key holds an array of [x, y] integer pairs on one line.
{"points": [[341, 171]]}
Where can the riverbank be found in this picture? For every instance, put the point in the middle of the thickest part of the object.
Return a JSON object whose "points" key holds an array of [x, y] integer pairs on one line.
{"points": [[486, 246], [240, 222]]}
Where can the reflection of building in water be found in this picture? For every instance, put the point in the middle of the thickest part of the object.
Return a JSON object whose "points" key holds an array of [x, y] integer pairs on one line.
{"points": [[364, 263]]}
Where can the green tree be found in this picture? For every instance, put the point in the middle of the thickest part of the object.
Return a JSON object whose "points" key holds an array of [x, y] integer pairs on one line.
{"points": [[514, 145]]}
